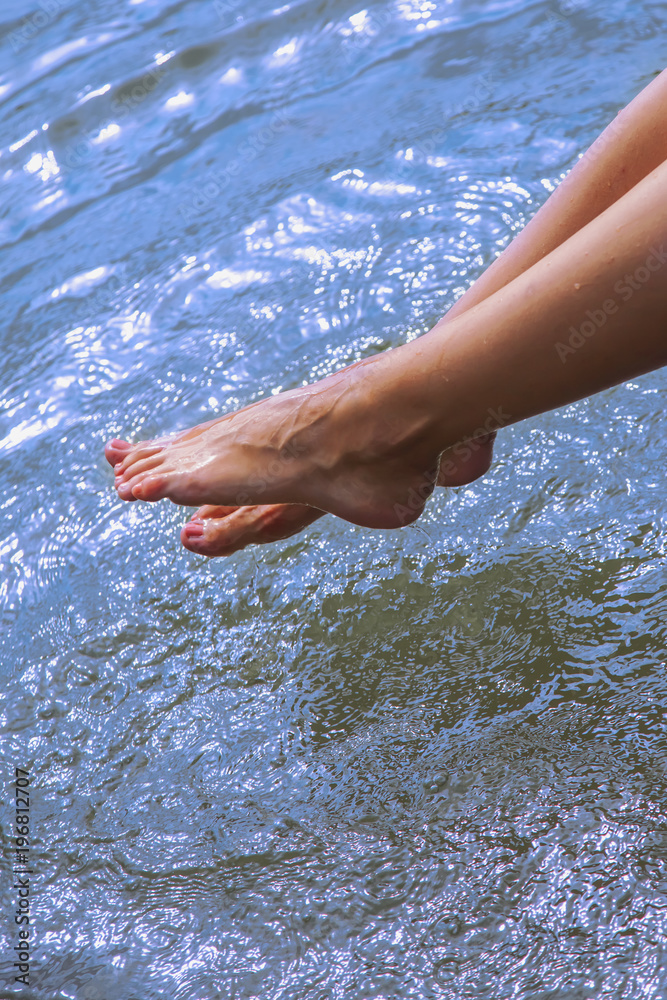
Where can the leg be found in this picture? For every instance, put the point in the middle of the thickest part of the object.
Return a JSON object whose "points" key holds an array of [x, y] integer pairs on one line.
{"points": [[365, 443], [633, 145]]}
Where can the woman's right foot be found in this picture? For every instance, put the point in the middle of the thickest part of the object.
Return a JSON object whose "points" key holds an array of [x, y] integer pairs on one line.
{"points": [[221, 531]]}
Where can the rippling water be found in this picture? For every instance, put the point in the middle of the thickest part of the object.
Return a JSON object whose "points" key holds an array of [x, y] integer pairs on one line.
{"points": [[426, 763]]}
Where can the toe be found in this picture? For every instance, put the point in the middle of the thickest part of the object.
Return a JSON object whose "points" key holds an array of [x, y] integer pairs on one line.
{"points": [[193, 529], [139, 468], [190, 541], [143, 487], [193, 536], [124, 491], [150, 487], [116, 450], [137, 454], [211, 510], [456, 470], [208, 540]]}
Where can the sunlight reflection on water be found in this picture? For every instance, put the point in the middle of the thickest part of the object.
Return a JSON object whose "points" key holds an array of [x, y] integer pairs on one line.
{"points": [[427, 763]]}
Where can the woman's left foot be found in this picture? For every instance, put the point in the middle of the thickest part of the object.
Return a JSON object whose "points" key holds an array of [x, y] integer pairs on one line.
{"points": [[221, 531]]}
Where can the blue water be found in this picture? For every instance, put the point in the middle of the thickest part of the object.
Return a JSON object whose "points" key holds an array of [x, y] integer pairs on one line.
{"points": [[357, 764]]}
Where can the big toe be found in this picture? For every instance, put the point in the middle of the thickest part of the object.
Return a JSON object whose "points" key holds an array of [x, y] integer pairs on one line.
{"points": [[221, 531], [210, 538], [116, 450]]}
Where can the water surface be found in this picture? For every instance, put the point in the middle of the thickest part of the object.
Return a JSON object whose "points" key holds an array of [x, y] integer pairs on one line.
{"points": [[417, 764]]}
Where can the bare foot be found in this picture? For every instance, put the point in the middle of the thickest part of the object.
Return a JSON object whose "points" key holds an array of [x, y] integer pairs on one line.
{"points": [[466, 461], [364, 444], [221, 531], [340, 445]]}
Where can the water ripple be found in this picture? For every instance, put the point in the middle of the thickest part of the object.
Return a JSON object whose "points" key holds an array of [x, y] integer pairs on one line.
{"points": [[420, 764]]}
